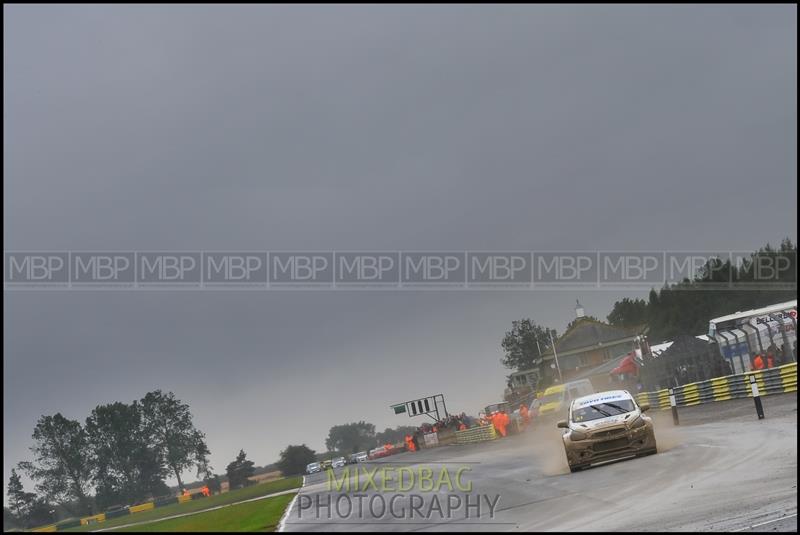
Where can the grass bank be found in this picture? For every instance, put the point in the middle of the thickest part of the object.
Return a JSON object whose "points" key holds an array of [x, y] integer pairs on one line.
{"points": [[262, 515], [261, 489]]}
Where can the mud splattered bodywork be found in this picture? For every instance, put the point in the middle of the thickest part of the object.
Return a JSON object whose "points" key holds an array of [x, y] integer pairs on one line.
{"points": [[606, 426]]}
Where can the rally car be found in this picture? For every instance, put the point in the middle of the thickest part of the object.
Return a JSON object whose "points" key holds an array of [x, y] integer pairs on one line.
{"points": [[606, 426]]}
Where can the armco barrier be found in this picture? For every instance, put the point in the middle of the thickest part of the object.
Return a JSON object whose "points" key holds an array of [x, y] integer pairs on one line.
{"points": [[770, 381], [476, 434], [117, 513], [170, 500], [46, 529]]}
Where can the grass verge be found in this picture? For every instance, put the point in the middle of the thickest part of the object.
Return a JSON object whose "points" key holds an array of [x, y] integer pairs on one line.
{"points": [[261, 489], [262, 515]]}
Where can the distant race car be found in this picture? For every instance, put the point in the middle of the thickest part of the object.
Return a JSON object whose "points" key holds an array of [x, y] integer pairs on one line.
{"points": [[606, 426], [338, 462], [556, 399], [313, 468], [377, 453], [359, 457]]}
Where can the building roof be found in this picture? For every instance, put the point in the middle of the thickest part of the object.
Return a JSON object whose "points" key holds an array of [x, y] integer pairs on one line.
{"points": [[524, 372], [657, 349], [587, 333], [685, 344], [780, 307], [603, 369]]}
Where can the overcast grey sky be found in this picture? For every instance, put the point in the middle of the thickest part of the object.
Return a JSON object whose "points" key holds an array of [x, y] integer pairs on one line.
{"points": [[364, 128]]}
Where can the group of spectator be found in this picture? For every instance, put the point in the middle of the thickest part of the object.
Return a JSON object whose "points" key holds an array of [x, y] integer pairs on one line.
{"points": [[770, 360], [459, 422], [454, 422], [774, 357]]}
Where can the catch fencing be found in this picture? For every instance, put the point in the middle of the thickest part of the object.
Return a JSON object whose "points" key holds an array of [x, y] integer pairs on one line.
{"points": [[770, 381]]}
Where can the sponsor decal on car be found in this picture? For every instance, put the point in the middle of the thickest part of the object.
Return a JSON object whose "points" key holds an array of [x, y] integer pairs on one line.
{"points": [[601, 399]]}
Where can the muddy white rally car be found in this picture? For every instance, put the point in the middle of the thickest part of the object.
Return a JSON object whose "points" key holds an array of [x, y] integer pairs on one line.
{"points": [[606, 426]]}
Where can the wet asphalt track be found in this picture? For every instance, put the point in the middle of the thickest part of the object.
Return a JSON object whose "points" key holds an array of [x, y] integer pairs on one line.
{"points": [[721, 470]]}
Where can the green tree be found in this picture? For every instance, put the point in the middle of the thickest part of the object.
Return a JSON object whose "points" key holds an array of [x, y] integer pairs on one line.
{"points": [[719, 288], [168, 424], [394, 435], [11, 521], [294, 459], [40, 513], [19, 501], [628, 313], [127, 468], [524, 344], [350, 437], [62, 466], [239, 471]]}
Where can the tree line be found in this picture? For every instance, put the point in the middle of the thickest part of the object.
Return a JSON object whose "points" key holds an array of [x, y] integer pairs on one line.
{"points": [[361, 436], [719, 288], [342, 440], [120, 454]]}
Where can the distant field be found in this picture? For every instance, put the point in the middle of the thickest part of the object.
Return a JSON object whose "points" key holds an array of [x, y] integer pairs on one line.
{"points": [[238, 495], [262, 515], [260, 478]]}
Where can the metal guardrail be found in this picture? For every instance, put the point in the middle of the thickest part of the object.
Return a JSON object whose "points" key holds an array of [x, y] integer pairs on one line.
{"points": [[770, 381]]}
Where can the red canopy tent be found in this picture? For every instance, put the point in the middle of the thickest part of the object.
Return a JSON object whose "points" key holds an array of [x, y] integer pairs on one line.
{"points": [[628, 365]]}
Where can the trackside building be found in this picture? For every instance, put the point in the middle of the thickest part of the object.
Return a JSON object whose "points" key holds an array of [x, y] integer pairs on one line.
{"points": [[743, 335]]}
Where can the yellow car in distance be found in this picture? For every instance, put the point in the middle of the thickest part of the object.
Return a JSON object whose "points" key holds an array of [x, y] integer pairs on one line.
{"points": [[557, 398]]}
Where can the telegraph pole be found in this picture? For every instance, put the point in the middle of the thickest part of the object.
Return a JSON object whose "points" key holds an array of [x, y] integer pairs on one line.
{"points": [[555, 354]]}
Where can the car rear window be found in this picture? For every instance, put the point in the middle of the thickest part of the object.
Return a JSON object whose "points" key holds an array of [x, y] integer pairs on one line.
{"points": [[553, 397], [602, 410]]}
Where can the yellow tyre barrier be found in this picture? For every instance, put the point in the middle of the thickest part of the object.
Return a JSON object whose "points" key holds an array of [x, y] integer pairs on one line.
{"points": [[143, 507], [96, 518], [476, 434]]}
